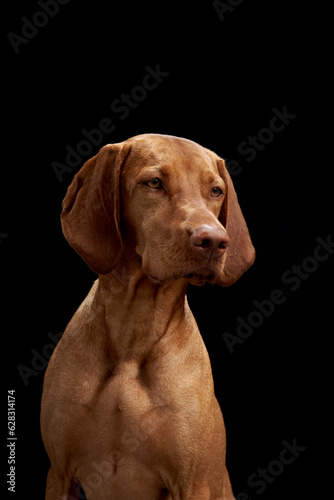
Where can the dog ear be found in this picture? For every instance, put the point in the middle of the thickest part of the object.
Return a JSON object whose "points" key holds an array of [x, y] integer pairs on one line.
{"points": [[240, 253], [91, 209]]}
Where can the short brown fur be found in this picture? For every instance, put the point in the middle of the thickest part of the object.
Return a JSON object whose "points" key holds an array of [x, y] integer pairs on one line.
{"points": [[128, 406]]}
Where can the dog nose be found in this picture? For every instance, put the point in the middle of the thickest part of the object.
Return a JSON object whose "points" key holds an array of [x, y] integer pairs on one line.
{"points": [[210, 241]]}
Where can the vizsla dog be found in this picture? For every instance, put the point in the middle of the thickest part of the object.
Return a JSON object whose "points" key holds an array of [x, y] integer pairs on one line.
{"points": [[128, 407]]}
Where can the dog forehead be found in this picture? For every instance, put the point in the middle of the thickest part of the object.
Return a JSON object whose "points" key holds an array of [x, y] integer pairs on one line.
{"points": [[181, 155]]}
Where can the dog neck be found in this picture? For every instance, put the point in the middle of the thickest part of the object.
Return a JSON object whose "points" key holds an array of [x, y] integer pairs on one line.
{"points": [[139, 313]]}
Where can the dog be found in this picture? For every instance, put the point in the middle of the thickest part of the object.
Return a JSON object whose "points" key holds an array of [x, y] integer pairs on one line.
{"points": [[128, 406]]}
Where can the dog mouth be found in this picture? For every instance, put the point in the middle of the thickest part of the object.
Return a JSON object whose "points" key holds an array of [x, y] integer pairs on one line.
{"points": [[194, 278], [199, 279], [154, 279]]}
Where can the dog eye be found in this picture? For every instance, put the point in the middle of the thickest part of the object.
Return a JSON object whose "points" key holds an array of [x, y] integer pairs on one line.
{"points": [[154, 183], [216, 191]]}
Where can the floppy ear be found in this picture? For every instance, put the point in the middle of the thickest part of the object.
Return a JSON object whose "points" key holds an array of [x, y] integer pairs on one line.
{"points": [[240, 253], [90, 218]]}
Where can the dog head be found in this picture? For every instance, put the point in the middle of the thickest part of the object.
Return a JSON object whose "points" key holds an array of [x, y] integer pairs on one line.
{"points": [[164, 201]]}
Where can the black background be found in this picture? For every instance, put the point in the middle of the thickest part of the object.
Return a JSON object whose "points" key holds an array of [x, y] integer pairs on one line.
{"points": [[224, 80]]}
